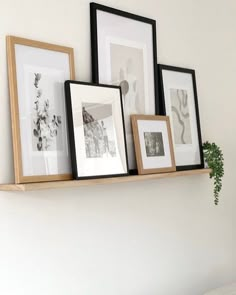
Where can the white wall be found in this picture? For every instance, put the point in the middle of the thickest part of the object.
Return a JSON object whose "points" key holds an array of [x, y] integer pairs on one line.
{"points": [[162, 237]]}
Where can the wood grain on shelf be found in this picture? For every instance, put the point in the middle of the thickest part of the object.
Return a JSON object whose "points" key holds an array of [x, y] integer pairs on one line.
{"points": [[90, 182]]}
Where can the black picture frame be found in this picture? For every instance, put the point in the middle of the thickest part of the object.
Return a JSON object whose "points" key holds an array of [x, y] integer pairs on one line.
{"points": [[94, 8], [163, 97], [69, 107]]}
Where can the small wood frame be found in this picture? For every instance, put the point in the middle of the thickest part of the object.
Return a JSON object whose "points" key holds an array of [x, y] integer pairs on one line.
{"points": [[14, 84], [154, 147]]}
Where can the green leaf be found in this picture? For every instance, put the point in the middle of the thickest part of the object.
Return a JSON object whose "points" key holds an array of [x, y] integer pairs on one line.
{"points": [[213, 155]]}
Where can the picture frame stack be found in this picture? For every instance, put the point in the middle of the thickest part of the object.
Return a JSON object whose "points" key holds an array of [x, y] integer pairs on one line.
{"points": [[136, 117]]}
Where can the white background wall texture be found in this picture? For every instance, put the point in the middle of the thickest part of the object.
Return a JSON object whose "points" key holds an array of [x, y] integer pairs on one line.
{"points": [[162, 237]]}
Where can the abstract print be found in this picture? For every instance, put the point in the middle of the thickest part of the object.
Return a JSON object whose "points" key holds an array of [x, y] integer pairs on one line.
{"points": [[180, 116]]}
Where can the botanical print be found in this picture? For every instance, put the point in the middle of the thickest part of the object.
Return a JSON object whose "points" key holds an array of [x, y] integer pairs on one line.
{"points": [[99, 130], [180, 116], [127, 71], [46, 122], [154, 144]]}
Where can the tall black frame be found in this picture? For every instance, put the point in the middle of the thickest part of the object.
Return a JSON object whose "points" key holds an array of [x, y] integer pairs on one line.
{"points": [[94, 7], [191, 72]]}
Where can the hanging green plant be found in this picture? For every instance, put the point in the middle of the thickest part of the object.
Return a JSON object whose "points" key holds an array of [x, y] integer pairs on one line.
{"points": [[214, 158]]}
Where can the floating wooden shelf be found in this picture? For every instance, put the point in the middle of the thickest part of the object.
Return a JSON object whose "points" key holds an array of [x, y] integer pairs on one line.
{"points": [[90, 182]]}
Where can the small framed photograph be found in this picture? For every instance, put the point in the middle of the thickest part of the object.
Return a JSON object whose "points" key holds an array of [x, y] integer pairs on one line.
{"points": [[124, 53], [180, 103], [153, 144], [96, 127], [37, 72]]}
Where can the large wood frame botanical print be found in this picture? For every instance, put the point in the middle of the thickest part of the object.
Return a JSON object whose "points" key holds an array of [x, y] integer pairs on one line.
{"points": [[37, 72]]}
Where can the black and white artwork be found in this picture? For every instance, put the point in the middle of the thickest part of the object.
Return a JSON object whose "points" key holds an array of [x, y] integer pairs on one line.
{"points": [[96, 127], [46, 121], [127, 71], [37, 72], [154, 144], [124, 54], [180, 116], [99, 130], [180, 102]]}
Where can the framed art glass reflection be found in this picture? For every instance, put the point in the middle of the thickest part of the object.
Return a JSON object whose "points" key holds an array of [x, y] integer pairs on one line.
{"points": [[124, 54], [95, 117], [37, 72]]}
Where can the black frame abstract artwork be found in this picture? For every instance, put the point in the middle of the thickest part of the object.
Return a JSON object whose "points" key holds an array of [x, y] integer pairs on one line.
{"points": [[178, 92]]}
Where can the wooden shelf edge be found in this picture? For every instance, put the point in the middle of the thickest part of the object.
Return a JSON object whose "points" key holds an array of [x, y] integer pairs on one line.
{"points": [[91, 182]]}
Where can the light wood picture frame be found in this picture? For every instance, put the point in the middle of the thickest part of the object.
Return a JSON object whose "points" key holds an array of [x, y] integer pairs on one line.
{"points": [[153, 144], [37, 72]]}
